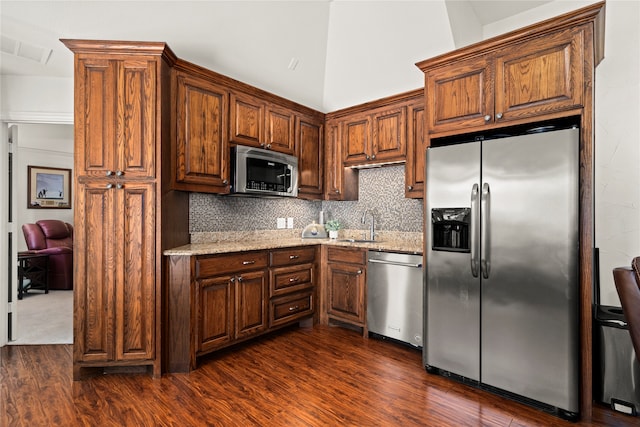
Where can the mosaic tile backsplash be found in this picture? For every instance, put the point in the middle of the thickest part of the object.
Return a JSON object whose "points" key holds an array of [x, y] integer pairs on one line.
{"points": [[381, 191]]}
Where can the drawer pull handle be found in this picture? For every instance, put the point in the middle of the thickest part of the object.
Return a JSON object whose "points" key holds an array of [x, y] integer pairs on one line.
{"points": [[294, 279], [293, 257], [248, 262], [294, 308]]}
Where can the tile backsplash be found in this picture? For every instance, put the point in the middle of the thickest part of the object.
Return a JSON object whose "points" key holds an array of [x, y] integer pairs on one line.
{"points": [[381, 191]]}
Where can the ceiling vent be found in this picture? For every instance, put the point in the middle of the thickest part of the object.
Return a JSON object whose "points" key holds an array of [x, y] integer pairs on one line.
{"points": [[25, 50]]}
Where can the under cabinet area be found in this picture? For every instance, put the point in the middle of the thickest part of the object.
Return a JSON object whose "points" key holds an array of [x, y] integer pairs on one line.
{"points": [[214, 301]]}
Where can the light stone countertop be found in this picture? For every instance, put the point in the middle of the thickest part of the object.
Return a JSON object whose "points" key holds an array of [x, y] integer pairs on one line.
{"points": [[226, 242]]}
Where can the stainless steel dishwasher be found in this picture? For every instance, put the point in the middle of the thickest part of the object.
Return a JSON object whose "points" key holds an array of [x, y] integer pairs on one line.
{"points": [[394, 296]]}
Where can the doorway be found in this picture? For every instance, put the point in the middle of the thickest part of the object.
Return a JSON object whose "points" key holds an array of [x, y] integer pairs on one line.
{"points": [[38, 318]]}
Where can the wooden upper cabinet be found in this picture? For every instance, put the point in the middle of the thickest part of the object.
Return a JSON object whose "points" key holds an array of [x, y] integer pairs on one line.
{"points": [[340, 183], [115, 105], [375, 137], [356, 139], [416, 149], [541, 76], [201, 153], [247, 120], [389, 141], [310, 142], [280, 128], [257, 123]]}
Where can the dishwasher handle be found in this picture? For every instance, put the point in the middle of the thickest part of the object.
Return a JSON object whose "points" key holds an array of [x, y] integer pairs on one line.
{"points": [[402, 264]]}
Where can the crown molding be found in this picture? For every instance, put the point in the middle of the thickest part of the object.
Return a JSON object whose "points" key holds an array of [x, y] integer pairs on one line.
{"points": [[37, 117]]}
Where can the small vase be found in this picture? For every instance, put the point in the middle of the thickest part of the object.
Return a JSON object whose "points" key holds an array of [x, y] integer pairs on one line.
{"points": [[333, 234]]}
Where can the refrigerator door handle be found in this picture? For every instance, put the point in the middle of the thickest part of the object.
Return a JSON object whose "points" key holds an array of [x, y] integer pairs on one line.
{"points": [[485, 233], [474, 229]]}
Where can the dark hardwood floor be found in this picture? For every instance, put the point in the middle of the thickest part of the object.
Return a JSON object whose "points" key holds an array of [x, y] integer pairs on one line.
{"points": [[321, 376]]}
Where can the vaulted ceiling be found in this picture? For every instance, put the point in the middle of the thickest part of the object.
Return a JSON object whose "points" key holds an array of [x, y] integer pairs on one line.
{"points": [[283, 47]]}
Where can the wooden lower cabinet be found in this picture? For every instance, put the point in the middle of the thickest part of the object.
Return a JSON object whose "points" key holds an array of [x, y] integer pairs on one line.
{"points": [[345, 281], [115, 306], [214, 301]]}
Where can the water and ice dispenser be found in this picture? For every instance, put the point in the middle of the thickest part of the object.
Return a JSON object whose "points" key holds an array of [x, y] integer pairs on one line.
{"points": [[451, 229]]}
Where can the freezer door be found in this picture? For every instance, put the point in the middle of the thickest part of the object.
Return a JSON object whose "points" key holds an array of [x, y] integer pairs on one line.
{"points": [[452, 293], [530, 255]]}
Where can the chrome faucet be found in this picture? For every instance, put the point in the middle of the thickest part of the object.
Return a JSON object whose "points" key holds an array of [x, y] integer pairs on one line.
{"points": [[372, 228]]}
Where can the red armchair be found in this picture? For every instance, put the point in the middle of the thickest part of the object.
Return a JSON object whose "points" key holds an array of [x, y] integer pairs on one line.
{"points": [[54, 238]]}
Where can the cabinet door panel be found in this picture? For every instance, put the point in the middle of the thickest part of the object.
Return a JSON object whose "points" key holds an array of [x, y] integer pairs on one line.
{"points": [[202, 116], [541, 77], [135, 268], [94, 276], [251, 303], [389, 135], [215, 312], [310, 158], [280, 130], [346, 292], [459, 96], [95, 115], [357, 140], [136, 117], [416, 148], [247, 120]]}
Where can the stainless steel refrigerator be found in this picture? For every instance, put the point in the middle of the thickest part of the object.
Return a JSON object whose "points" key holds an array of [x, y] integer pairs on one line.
{"points": [[501, 273]]}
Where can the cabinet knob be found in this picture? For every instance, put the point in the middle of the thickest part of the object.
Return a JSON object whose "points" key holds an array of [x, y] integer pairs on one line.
{"points": [[262, 144], [368, 157], [119, 173], [359, 272], [373, 157], [239, 278], [120, 186], [109, 173], [109, 186], [268, 145], [410, 187], [233, 279], [498, 116], [225, 181], [337, 191], [487, 118]]}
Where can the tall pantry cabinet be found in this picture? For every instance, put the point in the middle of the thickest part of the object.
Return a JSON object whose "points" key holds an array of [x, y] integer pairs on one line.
{"points": [[123, 204]]}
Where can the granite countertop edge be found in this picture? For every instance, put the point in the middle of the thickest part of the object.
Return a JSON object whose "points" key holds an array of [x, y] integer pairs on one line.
{"points": [[228, 246]]}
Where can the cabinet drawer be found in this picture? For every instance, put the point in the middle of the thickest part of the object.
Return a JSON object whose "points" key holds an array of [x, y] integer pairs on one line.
{"points": [[347, 255], [291, 279], [214, 265], [291, 308], [291, 256]]}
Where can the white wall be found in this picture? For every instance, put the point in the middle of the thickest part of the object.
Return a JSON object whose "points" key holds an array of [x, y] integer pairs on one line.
{"points": [[617, 171], [373, 46], [36, 99], [40, 145], [464, 23]]}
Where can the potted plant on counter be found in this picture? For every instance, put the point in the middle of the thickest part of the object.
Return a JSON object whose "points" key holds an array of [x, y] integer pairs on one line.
{"points": [[332, 226]]}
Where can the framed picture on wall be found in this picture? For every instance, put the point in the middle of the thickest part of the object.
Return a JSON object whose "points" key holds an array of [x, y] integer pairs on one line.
{"points": [[48, 188]]}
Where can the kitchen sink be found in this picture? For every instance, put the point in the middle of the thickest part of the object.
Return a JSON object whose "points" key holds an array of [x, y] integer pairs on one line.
{"points": [[359, 240]]}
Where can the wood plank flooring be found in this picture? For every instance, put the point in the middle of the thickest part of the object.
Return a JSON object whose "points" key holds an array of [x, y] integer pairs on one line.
{"points": [[321, 376]]}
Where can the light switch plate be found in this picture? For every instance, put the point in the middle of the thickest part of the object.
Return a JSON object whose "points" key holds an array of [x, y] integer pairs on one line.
{"points": [[281, 223], [289, 222]]}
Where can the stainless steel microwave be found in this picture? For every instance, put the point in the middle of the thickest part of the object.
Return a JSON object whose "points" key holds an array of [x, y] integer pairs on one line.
{"points": [[259, 172]]}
